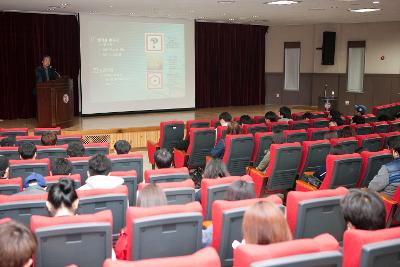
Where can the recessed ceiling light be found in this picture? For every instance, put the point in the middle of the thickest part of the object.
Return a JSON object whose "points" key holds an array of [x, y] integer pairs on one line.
{"points": [[50, 9], [64, 5], [231, 19], [364, 10], [202, 17], [226, 1], [132, 13], [375, 2], [110, 6], [282, 2], [254, 16]]}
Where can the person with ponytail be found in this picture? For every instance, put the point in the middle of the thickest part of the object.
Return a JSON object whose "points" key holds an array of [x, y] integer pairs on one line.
{"points": [[62, 199]]}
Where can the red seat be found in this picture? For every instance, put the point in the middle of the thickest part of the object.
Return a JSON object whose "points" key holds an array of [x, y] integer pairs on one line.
{"points": [[319, 114], [338, 129], [10, 186], [319, 123], [84, 240], [380, 127], [348, 120], [350, 144], [262, 142], [177, 193], [277, 126], [362, 129], [221, 133], [202, 141], [127, 162], [390, 138], [227, 224], [371, 163], [40, 131], [80, 165], [36, 140], [297, 116], [370, 142], [292, 136], [215, 123], [13, 132], [259, 119], [23, 168], [316, 212], [204, 257], [67, 139], [369, 118], [196, 124], [313, 155], [254, 128], [131, 181], [165, 231], [247, 254], [238, 153], [214, 189], [394, 125], [50, 180], [371, 248], [171, 133], [166, 175], [298, 125], [44, 152], [10, 152], [96, 148], [315, 134]]}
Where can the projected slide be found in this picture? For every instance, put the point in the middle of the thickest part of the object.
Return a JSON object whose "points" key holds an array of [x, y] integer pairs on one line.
{"points": [[130, 65]]}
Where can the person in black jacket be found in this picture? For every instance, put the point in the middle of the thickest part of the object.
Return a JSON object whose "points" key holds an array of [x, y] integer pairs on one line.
{"points": [[46, 72]]}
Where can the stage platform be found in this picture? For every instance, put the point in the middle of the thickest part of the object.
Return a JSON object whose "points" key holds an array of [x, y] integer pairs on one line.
{"points": [[138, 128]]}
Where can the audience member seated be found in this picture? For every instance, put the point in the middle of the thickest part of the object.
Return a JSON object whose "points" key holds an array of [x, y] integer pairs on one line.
{"points": [[270, 116], [17, 245], [347, 132], [7, 142], [34, 184], [330, 135], [388, 177], [238, 190], [49, 139], [307, 116], [219, 150], [99, 168], [333, 113], [75, 149], [364, 210], [358, 119], [245, 119], [336, 121], [360, 109], [61, 166], [224, 119], [62, 199], [4, 167], [27, 150], [122, 147], [285, 113], [277, 138], [163, 158]]}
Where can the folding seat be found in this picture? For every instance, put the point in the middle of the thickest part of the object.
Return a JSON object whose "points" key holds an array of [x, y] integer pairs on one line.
{"points": [[380, 127], [369, 118], [315, 134], [313, 155], [202, 141], [278, 126], [50, 180], [204, 257], [341, 170], [83, 240], [297, 116], [23, 168], [165, 231], [371, 163], [362, 129], [281, 173], [21, 207], [10, 186], [319, 123], [350, 144], [221, 133], [214, 189], [238, 153], [298, 125], [371, 248], [115, 200], [177, 193], [131, 181], [348, 120], [196, 124], [51, 152], [10, 152], [322, 251], [67, 139], [13, 132], [237, 118], [394, 125], [262, 142], [316, 212], [41, 131], [36, 140], [166, 175], [171, 133], [259, 119], [383, 109], [388, 138], [370, 142], [215, 123], [80, 165], [227, 224], [292, 136], [318, 114], [338, 130], [97, 148], [127, 162], [254, 128]]}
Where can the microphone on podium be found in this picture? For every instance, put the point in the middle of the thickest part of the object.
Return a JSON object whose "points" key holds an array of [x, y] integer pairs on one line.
{"points": [[58, 74]]}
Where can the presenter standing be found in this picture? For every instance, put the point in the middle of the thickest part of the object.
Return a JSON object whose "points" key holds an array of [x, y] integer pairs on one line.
{"points": [[46, 72]]}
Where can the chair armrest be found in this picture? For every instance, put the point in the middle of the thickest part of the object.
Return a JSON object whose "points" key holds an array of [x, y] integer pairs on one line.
{"points": [[151, 150], [258, 179], [179, 158], [390, 207], [304, 186]]}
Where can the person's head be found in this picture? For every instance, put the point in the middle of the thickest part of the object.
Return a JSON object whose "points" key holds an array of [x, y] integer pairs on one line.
{"points": [[60, 166], [278, 137], [27, 150], [285, 112], [151, 196], [99, 165], [122, 147], [49, 139], [17, 245], [62, 199], [233, 128], [347, 132], [7, 141], [75, 149], [364, 210], [163, 158], [224, 118], [270, 116], [4, 167], [358, 119], [245, 119], [307, 116], [330, 135], [215, 168], [360, 109], [46, 61], [34, 179], [395, 148], [336, 121], [239, 190], [334, 114], [264, 223]]}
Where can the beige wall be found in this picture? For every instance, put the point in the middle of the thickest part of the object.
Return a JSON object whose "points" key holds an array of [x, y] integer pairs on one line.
{"points": [[382, 39]]}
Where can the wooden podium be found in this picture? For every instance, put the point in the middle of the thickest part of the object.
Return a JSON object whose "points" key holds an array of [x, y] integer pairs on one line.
{"points": [[55, 103]]}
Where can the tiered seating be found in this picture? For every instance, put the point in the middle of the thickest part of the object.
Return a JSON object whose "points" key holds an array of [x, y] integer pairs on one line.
{"points": [[127, 162], [36, 140], [67, 139], [371, 163], [177, 193], [238, 153], [292, 136], [259, 119], [319, 123], [50, 180], [166, 175], [380, 127], [370, 142], [388, 109], [10, 152], [196, 124], [254, 128], [390, 138], [23, 168], [50, 152], [278, 126], [315, 134], [131, 180], [262, 142], [10, 186], [350, 144], [313, 155], [298, 125], [40, 131], [13, 132], [362, 129], [96, 148], [80, 165], [394, 125]]}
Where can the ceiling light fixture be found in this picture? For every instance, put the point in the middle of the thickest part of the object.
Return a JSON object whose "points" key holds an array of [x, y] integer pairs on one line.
{"points": [[364, 10], [282, 2], [226, 1], [375, 2]]}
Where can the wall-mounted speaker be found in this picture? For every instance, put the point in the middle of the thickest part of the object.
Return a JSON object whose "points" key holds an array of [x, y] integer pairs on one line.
{"points": [[328, 48]]}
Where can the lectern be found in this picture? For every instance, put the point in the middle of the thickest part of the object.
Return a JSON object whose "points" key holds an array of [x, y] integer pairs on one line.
{"points": [[55, 103]]}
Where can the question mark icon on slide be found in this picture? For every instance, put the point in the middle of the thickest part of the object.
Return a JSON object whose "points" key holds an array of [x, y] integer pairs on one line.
{"points": [[154, 41]]}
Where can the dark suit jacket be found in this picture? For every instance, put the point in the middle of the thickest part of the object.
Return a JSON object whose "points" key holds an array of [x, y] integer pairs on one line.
{"points": [[41, 74]]}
